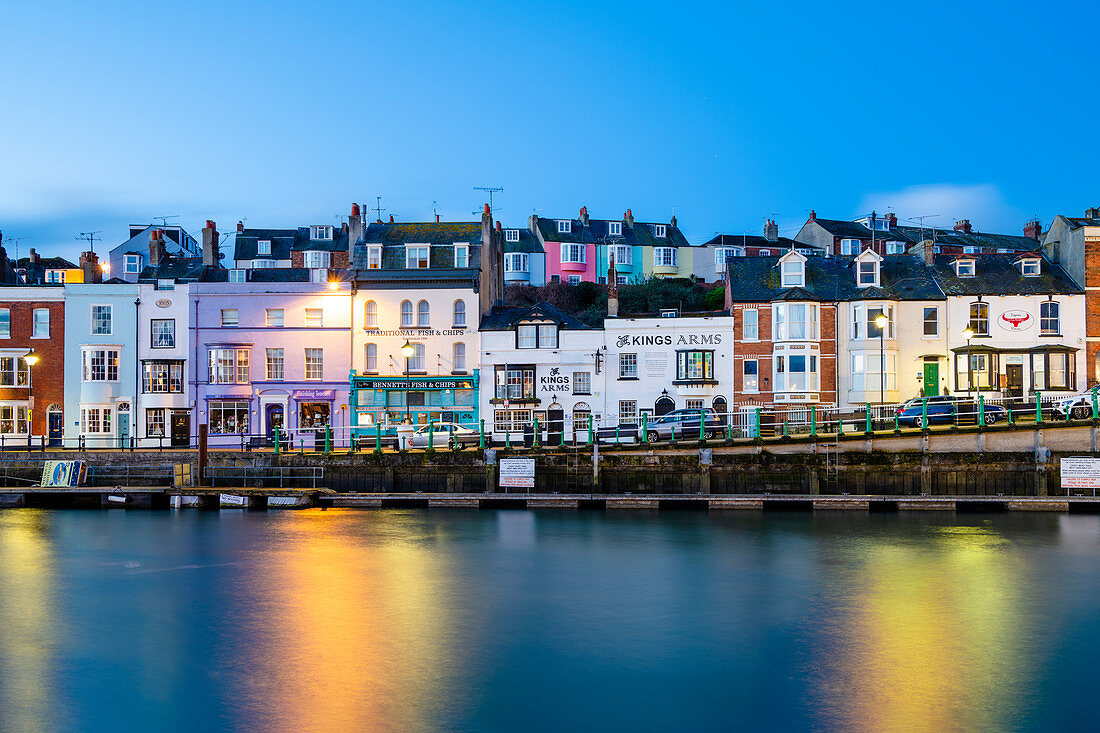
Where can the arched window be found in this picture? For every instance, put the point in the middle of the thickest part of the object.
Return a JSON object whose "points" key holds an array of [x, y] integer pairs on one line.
{"points": [[370, 314], [459, 361], [407, 314], [460, 314], [581, 411], [719, 405], [370, 358], [979, 318], [422, 315]]}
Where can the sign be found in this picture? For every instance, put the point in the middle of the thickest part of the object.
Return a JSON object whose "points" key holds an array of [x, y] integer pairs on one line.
{"points": [[164, 303], [683, 339], [517, 473], [555, 381], [401, 383], [1015, 320], [63, 473], [314, 394], [1081, 473]]}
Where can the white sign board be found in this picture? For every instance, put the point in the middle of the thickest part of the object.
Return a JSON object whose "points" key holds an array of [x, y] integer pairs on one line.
{"points": [[517, 472], [1081, 473]]}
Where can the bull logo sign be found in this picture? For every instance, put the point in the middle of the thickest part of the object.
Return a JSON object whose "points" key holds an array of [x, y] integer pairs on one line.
{"points": [[1015, 320]]}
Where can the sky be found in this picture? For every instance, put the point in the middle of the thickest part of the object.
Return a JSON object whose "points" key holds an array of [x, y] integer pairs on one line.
{"points": [[724, 114]]}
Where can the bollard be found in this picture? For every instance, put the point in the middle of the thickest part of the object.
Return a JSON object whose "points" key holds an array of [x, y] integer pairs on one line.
{"points": [[1011, 421], [981, 411], [729, 427], [301, 446], [868, 429], [702, 425], [1038, 408], [784, 427], [839, 425], [328, 439], [591, 429], [277, 441], [536, 442], [1094, 404], [924, 412], [645, 427], [897, 423], [378, 440], [813, 421], [508, 438], [758, 435], [481, 439], [562, 434], [618, 438]]}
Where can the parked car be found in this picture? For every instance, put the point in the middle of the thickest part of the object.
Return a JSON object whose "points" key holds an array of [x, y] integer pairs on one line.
{"points": [[945, 410], [1078, 407], [441, 433], [684, 424]]}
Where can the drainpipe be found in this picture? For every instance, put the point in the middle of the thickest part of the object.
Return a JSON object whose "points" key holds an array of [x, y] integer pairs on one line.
{"points": [[137, 368], [195, 371]]}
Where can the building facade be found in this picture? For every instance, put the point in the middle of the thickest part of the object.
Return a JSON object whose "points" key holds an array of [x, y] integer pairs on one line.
{"points": [[32, 397], [1074, 243], [126, 260]]}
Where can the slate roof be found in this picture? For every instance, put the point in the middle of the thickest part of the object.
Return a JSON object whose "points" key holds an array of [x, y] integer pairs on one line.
{"points": [[49, 263], [1076, 222], [502, 318], [285, 241], [262, 275], [138, 242], [528, 242], [756, 279], [755, 240], [179, 269], [952, 238], [847, 229], [641, 235], [441, 236], [998, 274]]}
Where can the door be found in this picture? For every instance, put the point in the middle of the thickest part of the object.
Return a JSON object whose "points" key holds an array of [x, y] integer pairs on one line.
{"points": [[123, 429], [555, 424], [931, 378], [1014, 380], [663, 406], [55, 429], [181, 429], [274, 417]]}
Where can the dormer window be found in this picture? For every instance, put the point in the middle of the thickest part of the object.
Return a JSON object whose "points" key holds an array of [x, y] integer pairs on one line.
{"points": [[133, 264], [659, 230], [964, 268], [321, 232], [868, 274], [895, 248], [615, 228], [263, 247], [670, 313], [537, 335], [511, 235], [794, 274], [1030, 267], [416, 256], [565, 226]]}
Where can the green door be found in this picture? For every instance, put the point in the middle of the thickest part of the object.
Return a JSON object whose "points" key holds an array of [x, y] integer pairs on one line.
{"points": [[931, 378]]}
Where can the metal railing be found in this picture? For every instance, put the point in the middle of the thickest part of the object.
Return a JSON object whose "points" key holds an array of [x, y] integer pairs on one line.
{"points": [[265, 477]]}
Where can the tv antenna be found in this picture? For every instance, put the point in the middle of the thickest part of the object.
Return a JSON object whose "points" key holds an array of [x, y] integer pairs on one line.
{"points": [[435, 208], [378, 208], [491, 190], [164, 219], [921, 220], [90, 238]]}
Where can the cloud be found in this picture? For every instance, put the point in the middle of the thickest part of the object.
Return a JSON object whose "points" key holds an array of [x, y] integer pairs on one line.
{"points": [[983, 204]]}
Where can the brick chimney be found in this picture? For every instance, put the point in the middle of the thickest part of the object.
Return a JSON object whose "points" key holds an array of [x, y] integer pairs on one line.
{"points": [[813, 215], [771, 231], [211, 256], [89, 263], [355, 229], [584, 216], [612, 285], [240, 227], [892, 218], [629, 218], [963, 225], [4, 265], [157, 251], [672, 223], [491, 265], [1033, 229], [927, 250]]}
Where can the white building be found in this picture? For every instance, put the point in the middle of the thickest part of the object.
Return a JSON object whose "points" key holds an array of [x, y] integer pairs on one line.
{"points": [[163, 349]]}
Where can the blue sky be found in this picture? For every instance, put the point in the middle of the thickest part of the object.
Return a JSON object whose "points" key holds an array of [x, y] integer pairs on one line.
{"points": [[727, 114]]}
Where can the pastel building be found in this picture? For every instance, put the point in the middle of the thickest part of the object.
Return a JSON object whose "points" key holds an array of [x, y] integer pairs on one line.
{"points": [[524, 258], [127, 260]]}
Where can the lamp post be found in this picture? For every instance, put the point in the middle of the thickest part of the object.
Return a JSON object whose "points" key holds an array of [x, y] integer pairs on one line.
{"points": [[407, 351], [31, 358], [968, 333], [882, 322]]}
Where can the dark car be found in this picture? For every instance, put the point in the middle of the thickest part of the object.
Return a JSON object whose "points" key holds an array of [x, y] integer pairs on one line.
{"points": [[684, 424], [945, 410]]}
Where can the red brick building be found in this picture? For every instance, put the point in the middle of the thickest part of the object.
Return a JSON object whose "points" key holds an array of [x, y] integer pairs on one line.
{"points": [[32, 318]]}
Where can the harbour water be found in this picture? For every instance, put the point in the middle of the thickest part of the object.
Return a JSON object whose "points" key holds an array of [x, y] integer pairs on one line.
{"points": [[547, 621]]}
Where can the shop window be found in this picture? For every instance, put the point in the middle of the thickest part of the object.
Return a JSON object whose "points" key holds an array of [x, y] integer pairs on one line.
{"points": [[313, 415], [228, 417], [694, 366]]}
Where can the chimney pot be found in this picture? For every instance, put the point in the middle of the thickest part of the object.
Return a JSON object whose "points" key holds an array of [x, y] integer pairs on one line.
{"points": [[963, 225], [210, 224], [355, 209], [813, 215], [240, 227], [437, 218], [498, 226], [486, 208], [391, 218], [1033, 229]]}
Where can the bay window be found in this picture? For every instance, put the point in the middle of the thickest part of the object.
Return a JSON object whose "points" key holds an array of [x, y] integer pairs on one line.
{"points": [[228, 416], [162, 377], [13, 420], [574, 253], [515, 262], [795, 321], [795, 372], [515, 382], [694, 366], [314, 260], [1053, 370], [867, 373], [229, 366], [982, 373], [99, 365]]}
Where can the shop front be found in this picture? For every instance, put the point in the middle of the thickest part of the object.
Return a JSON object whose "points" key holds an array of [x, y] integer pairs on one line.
{"points": [[380, 404]]}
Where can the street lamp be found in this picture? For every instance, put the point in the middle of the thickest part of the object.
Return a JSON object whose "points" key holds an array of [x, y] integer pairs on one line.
{"points": [[968, 333], [31, 358], [407, 350], [882, 322]]}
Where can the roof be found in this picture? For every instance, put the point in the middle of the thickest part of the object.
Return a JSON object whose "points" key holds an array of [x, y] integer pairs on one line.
{"points": [[755, 240], [441, 238], [597, 231], [139, 242], [432, 232], [1076, 222], [528, 242], [179, 269], [903, 277], [262, 275], [503, 318], [847, 229], [284, 241], [952, 238], [49, 263], [998, 274]]}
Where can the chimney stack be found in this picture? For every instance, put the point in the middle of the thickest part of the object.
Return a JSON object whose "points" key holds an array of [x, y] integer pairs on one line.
{"points": [[629, 218], [963, 225], [391, 218], [4, 265], [771, 231], [157, 251], [1092, 213], [813, 215], [240, 227], [584, 216], [211, 257], [927, 250], [89, 263], [355, 229], [673, 221], [1033, 229], [612, 285], [893, 219]]}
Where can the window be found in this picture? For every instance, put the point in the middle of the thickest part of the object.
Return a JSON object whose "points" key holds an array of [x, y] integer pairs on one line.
{"points": [[751, 377], [237, 276], [694, 366], [55, 276], [95, 420], [849, 246], [316, 260], [13, 371], [511, 421], [406, 314], [795, 372], [1054, 370], [867, 373], [154, 422], [132, 264], [669, 313], [932, 321], [229, 366], [527, 337], [537, 336], [274, 364], [964, 268], [315, 363], [1048, 319], [868, 273], [315, 317], [555, 278], [229, 317], [574, 279], [864, 319], [628, 411], [895, 248], [511, 235], [101, 320], [263, 264], [166, 283], [263, 247], [273, 317], [793, 274], [515, 382], [621, 279], [765, 253], [370, 314], [582, 417], [460, 314], [628, 366], [416, 362], [5, 323], [374, 258], [971, 250], [370, 358], [416, 257], [320, 232], [1030, 267], [795, 321], [573, 253], [750, 324], [615, 229], [99, 365], [664, 257], [40, 328], [582, 382], [624, 254], [423, 314], [515, 262], [458, 362], [982, 373], [565, 226], [722, 254], [693, 404], [462, 255], [162, 377], [228, 416], [979, 318], [659, 230]]}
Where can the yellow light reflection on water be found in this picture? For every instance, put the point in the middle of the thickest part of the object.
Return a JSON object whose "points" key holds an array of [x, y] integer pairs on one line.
{"points": [[925, 636]]}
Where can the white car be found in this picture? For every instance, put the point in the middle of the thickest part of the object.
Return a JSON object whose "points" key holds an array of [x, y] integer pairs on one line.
{"points": [[441, 433], [1077, 407]]}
